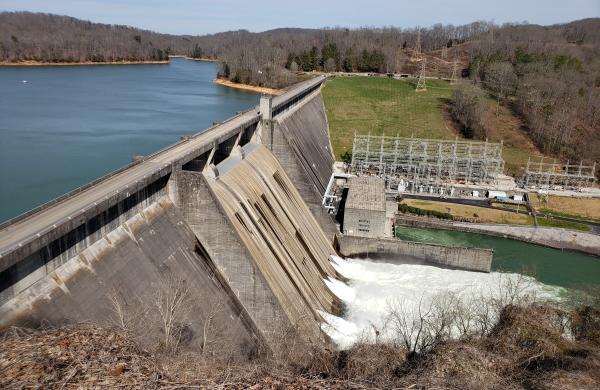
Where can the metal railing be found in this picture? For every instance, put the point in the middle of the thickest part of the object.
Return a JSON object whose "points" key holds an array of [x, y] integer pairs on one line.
{"points": [[280, 101]]}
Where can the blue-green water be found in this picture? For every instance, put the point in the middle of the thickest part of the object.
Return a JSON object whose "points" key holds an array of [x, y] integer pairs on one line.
{"points": [[68, 125], [549, 266]]}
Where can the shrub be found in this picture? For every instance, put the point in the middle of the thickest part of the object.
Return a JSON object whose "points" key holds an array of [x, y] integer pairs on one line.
{"points": [[404, 208]]}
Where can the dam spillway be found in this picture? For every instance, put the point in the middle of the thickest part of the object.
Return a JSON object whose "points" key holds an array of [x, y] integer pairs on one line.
{"points": [[167, 215], [280, 232]]}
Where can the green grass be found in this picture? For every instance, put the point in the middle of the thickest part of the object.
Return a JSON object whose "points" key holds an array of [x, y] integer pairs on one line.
{"points": [[562, 224], [566, 215], [384, 105]]}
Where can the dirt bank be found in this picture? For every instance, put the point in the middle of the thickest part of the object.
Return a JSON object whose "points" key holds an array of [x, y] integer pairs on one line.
{"points": [[247, 87]]}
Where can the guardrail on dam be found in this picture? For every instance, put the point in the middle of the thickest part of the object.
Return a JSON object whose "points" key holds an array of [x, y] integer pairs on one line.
{"points": [[172, 214]]}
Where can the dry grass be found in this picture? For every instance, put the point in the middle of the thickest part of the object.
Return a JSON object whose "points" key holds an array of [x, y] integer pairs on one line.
{"points": [[507, 127], [530, 346], [567, 206], [472, 213], [85, 355]]}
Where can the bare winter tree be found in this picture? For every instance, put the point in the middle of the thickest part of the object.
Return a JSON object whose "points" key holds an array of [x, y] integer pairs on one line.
{"points": [[210, 329], [128, 313], [411, 326], [467, 105], [171, 301], [500, 77]]}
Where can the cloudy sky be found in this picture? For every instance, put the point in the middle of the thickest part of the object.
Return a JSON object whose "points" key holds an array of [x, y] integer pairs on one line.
{"points": [[202, 17]]}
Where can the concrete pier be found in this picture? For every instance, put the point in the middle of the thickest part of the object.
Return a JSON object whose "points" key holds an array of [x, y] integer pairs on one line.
{"points": [[470, 259]]}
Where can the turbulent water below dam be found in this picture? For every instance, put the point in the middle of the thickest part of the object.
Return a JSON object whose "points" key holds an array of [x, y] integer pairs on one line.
{"points": [[376, 287]]}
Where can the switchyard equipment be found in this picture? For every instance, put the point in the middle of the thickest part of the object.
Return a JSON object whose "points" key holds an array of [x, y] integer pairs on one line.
{"points": [[553, 175], [426, 165]]}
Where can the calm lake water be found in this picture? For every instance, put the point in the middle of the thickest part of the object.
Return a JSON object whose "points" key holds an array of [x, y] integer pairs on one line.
{"points": [[68, 125], [550, 266]]}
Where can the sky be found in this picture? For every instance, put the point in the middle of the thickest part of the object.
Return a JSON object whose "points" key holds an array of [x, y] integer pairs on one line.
{"points": [[198, 17]]}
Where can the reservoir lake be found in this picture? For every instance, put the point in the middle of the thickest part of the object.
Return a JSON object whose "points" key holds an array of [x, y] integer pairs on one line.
{"points": [[64, 126]]}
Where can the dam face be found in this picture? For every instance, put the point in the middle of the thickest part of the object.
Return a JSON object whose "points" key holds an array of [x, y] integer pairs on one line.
{"points": [[233, 214]]}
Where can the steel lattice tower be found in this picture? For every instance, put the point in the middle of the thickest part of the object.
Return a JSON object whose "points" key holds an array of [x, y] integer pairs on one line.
{"points": [[421, 86]]}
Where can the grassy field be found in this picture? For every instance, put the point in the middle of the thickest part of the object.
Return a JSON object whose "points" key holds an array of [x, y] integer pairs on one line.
{"points": [[485, 215], [581, 208], [562, 224], [472, 213], [383, 105]]}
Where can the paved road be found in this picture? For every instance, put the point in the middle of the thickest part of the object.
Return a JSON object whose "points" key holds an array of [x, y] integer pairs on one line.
{"points": [[45, 219]]}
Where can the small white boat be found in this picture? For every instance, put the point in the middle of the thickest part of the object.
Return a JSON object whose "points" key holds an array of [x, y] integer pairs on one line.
{"points": [[25, 81]]}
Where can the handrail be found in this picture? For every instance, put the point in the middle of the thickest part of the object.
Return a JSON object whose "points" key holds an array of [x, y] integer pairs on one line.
{"points": [[107, 176], [281, 100]]}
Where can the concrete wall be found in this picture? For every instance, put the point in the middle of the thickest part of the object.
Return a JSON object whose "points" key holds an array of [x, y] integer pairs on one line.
{"points": [[557, 238], [134, 237], [203, 214], [55, 247], [471, 259], [364, 223], [132, 262], [299, 139]]}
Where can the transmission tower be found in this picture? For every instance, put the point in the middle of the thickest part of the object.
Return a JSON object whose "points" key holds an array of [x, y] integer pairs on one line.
{"points": [[444, 52], [453, 77], [421, 86], [417, 51]]}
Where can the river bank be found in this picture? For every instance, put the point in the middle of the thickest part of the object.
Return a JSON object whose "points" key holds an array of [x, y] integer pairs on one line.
{"points": [[81, 63], [556, 238], [247, 87]]}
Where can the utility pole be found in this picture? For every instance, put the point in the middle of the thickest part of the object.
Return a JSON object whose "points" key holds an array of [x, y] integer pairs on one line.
{"points": [[421, 86]]}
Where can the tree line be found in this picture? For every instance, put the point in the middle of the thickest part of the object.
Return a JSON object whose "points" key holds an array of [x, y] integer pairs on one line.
{"points": [[266, 58], [26, 36]]}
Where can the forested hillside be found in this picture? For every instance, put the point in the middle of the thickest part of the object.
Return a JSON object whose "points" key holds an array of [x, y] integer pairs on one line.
{"points": [[26, 36], [550, 77]]}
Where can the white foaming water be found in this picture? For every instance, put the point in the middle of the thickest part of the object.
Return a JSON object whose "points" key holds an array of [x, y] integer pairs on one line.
{"points": [[374, 285]]}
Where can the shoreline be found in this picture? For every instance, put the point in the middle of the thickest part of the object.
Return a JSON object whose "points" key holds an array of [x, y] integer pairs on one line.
{"points": [[82, 63], [195, 59], [247, 87]]}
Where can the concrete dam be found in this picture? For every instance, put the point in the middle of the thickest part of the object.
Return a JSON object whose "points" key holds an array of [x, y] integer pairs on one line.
{"points": [[232, 215], [233, 211]]}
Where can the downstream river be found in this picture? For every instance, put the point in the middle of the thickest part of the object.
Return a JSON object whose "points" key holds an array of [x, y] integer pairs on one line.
{"points": [[63, 126], [549, 266]]}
